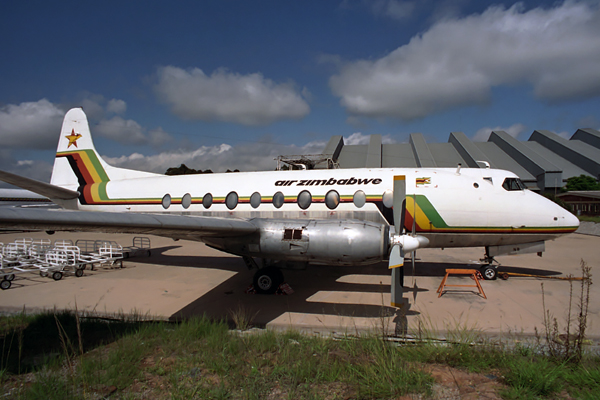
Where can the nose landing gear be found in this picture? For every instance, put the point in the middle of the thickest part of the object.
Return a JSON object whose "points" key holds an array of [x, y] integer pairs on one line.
{"points": [[489, 271]]}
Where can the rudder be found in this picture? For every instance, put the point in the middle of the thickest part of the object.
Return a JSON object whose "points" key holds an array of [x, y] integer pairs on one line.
{"points": [[77, 163]]}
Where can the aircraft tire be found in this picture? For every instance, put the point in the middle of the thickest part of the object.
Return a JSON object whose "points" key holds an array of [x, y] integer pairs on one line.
{"points": [[267, 280], [489, 273], [9, 277], [5, 284]]}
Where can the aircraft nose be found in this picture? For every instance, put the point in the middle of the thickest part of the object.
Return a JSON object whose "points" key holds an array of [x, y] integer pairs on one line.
{"points": [[566, 219], [571, 220]]}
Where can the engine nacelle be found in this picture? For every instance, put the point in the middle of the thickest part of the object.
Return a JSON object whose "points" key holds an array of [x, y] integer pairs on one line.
{"points": [[332, 242]]}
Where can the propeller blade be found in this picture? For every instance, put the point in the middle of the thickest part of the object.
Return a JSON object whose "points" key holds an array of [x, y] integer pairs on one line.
{"points": [[397, 287], [396, 257], [396, 252], [399, 202], [414, 224]]}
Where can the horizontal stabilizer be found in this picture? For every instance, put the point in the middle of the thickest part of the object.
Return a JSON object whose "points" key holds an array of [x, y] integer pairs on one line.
{"points": [[177, 226], [41, 188]]}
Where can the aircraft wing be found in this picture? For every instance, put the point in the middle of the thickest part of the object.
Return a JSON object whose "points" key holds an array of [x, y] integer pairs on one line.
{"points": [[45, 189], [175, 226]]}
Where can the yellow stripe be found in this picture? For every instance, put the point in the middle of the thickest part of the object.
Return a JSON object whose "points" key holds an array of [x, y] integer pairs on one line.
{"points": [[399, 177], [90, 166], [420, 218]]}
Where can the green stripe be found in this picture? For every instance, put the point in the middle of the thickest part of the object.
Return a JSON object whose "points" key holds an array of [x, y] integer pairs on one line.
{"points": [[430, 212]]}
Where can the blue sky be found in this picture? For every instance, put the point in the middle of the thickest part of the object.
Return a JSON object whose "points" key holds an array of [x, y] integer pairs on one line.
{"points": [[232, 84]]}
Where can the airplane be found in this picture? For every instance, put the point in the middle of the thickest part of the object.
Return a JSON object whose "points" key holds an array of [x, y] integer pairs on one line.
{"points": [[292, 218]]}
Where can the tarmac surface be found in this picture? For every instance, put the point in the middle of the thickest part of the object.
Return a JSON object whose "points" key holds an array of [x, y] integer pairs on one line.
{"points": [[182, 279]]}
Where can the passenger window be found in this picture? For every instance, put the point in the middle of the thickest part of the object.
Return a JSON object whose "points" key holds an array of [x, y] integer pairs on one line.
{"points": [[166, 201], [207, 200], [332, 199], [186, 200], [304, 199], [278, 199], [255, 200], [231, 200], [388, 198], [359, 198]]}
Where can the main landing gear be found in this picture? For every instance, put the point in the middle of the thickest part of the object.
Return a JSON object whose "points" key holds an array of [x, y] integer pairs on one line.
{"points": [[267, 279]]}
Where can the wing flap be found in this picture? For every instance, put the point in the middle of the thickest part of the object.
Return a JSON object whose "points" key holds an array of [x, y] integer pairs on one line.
{"points": [[177, 226]]}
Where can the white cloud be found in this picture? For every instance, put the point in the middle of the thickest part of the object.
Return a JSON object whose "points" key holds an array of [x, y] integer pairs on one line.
{"points": [[36, 125], [245, 157], [120, 130], [458, 61], [483, 134], [358, 138], [33, 125], [128, 131], [226, 96], [116, 106]]}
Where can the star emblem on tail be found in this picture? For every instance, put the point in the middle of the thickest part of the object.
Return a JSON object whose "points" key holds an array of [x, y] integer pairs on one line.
{"points": [[73, 138]]}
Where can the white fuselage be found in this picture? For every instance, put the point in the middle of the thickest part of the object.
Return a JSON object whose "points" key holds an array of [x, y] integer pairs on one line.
{"points": [[469, 207]]}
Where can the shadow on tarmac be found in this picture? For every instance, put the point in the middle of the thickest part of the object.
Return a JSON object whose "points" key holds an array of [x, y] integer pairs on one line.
{"points": [[225, 299]]}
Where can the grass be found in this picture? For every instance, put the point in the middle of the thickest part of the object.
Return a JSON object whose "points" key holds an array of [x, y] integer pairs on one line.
{"points": [[203, 359], [589, 218]]}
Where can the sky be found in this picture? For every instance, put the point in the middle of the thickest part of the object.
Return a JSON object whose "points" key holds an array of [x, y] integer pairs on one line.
{"points": [[232, 84]]}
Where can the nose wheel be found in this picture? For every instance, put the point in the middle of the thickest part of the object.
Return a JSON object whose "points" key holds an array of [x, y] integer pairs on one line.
{"points": [[489, 272]]}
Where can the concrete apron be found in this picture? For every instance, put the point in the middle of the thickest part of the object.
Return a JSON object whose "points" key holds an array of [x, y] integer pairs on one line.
{"points": [[184, 279]]}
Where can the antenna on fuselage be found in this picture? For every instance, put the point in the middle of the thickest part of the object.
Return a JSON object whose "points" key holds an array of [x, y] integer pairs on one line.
{"points": [[458, 168]]}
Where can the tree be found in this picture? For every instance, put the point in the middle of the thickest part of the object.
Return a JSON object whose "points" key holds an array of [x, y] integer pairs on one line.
{"points": [[582, 182], [182, 170]]}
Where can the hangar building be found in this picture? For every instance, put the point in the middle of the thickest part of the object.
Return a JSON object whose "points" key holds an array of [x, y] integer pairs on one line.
{"points": [[544, 162]]}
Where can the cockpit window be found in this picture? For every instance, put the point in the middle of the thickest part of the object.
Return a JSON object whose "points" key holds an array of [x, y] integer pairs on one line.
{"points": [[513, 184]]}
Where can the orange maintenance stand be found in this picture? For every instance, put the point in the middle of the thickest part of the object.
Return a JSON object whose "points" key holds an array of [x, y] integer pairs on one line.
{"points": [[474, 274]]}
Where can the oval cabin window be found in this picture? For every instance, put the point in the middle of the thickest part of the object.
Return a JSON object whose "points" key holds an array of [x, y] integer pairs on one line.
{"points": [[166, 201], [207, 200], [359, 198], [255, 200], [388, 198], [186, 200], [278, 199], [304, 199], [231, 200], [332, 199]]}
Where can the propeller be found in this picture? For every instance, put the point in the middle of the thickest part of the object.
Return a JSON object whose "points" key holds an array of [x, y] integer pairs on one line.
{"points": [[401, 242]]}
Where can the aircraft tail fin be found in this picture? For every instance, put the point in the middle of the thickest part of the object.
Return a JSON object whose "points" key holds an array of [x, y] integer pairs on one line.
{"points": [[77, 163]]}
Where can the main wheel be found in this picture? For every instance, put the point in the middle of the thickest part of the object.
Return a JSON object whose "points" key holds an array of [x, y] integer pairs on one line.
{"points": [[267, 280], [79, 272], [4, 284], [489, 273], [57, 276]]}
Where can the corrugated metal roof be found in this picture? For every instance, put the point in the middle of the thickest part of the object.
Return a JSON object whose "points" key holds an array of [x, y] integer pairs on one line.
{"points": [[568, 168], [445, 155], [502, 160], [397, 155]]}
